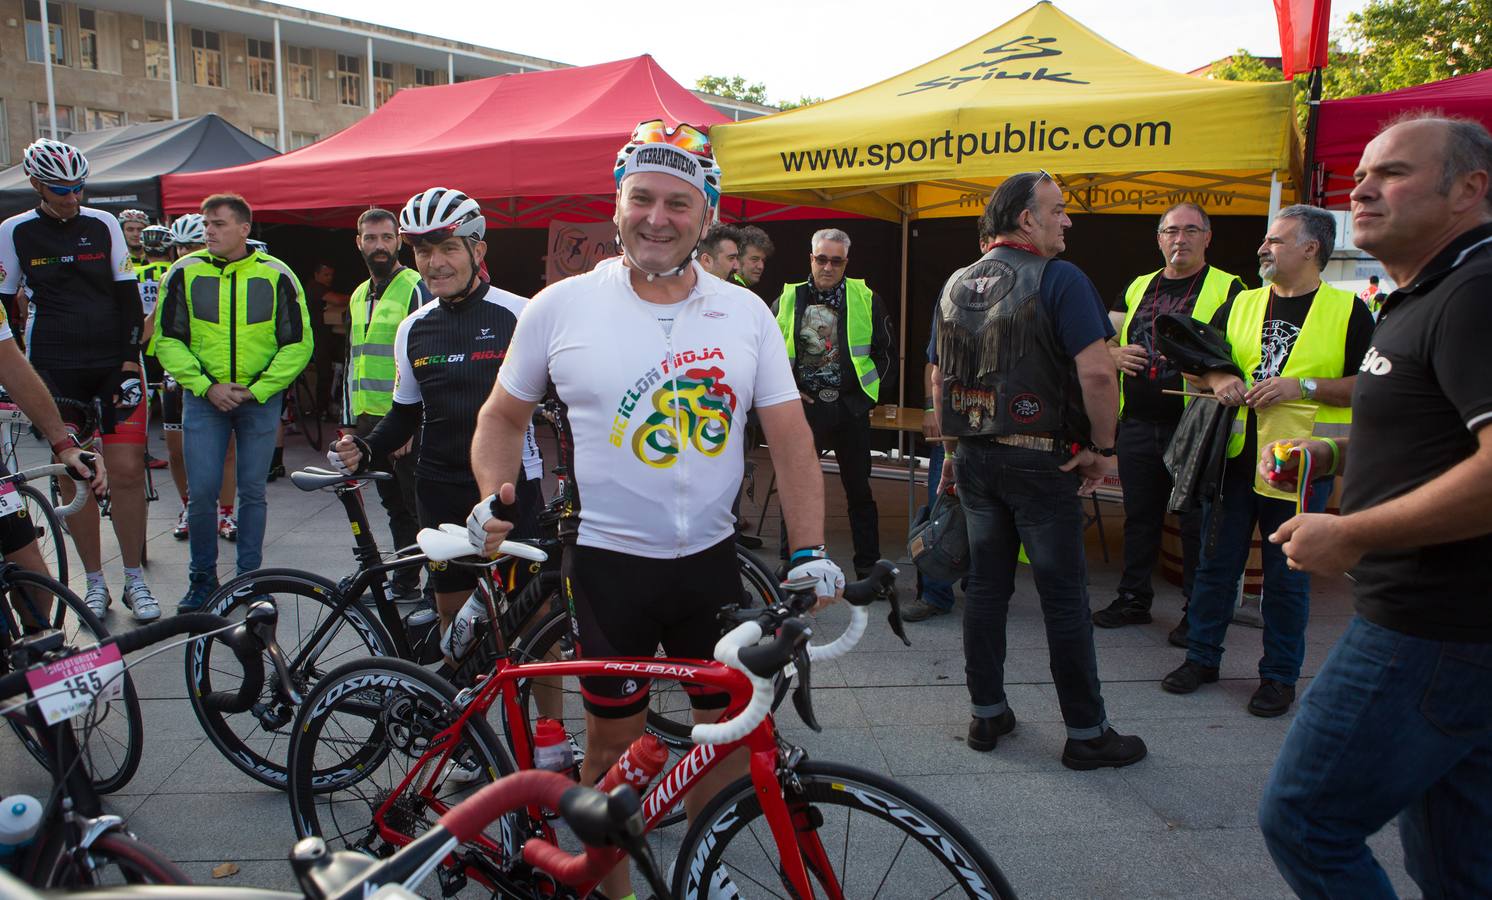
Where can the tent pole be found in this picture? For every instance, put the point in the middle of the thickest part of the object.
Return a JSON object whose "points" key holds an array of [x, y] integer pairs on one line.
{"points": [[1274, 194], [171, 57], [279, 87], [46, 47], [1311, 195], [901, 335]]}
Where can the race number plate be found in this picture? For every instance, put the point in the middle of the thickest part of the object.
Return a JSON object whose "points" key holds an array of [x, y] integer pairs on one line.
{"points": [[11, 501], [66, 688], [9, 412]]}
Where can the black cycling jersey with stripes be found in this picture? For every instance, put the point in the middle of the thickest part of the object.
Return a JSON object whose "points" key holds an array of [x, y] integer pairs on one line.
{"points": [[79, 279]]}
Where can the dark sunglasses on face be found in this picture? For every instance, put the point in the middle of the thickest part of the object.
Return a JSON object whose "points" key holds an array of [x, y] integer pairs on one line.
{"points": [[62, 190], [834, 261]]}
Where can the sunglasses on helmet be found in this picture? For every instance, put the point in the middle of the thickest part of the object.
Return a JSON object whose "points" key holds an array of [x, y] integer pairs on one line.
{"points": [[685, 137]]}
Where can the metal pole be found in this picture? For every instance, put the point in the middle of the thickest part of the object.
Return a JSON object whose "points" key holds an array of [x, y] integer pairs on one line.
{"points": [[1274, 194], [901, 348], [280, 87], [171, 55], [370, 74], [450, 68], [1312, 195], [46, 47]]}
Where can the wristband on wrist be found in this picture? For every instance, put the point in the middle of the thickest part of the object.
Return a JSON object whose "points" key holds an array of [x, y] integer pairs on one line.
{"points": [[1336, 455], [68, 443], [806, 553]]}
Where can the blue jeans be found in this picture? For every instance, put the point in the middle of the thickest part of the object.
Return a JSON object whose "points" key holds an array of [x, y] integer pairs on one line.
{"points": [[935, 593], [1287, 593], [1013, 496], [1393, 726], [205, 430]]}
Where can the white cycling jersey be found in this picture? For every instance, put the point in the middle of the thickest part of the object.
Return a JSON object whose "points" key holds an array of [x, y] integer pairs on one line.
{"points": [[656, 416]]}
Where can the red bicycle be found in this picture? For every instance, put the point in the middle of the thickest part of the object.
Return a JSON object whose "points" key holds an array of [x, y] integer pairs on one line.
{"points": [[382, 749]]}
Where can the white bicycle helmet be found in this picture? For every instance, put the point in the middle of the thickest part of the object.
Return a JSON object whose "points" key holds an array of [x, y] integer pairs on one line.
{"points": [[257, 245], [134, 215], [156, 239], [682, 151], [439, 213], [189, 229], [53, 161]]}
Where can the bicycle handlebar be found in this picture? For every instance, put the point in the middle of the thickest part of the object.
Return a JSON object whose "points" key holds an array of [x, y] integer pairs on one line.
{"points": [[79, 496], [450, 542]]}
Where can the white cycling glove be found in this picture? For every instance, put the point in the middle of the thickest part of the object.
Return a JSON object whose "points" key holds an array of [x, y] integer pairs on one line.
{"points": [[335, 460], [827, 575], [476, 523]]}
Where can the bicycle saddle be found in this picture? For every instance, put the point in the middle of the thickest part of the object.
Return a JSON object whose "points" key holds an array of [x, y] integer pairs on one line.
{"points": [[450, 542], [313, 479]]}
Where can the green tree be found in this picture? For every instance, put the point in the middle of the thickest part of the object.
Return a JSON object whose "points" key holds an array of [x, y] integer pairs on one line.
{"points": [[804, 100], [1410, 42], [732, 87]]}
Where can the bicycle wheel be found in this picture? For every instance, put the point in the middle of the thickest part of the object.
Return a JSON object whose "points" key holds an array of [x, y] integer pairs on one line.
{"points": [[358, 770], [860, 835], [257, 741], [760, 586], [115, 734], [50, 538], [116, 858], [307, 414]]}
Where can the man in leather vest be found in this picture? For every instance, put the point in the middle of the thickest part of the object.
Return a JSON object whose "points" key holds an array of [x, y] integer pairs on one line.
{"points": [[839, 343], [1029, 389], [377, 307], [1299, 342], [1187, 285]]}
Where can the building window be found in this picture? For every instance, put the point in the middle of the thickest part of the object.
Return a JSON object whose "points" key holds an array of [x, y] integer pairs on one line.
{"points": [[383, 81], [261, 56], [94, 119], [268, 136], [157, 51], [349, 80], [207, 58], [462, 79], [36, 41], [98, 40], [44, 123], [300, 73], [427, 77], [299, 139]]}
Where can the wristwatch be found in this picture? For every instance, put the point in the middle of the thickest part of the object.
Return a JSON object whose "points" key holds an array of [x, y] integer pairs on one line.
{"points": [[1308, 388], [1101, 451]]}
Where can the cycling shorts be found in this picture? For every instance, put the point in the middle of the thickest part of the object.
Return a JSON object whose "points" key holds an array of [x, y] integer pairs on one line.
{"points": [[625, 605], [97, 386], [17, 529], [170, 404], [440, 502]]}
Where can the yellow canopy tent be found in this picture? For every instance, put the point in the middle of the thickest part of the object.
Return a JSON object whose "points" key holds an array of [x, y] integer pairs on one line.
{"points": [[1039, 92]]}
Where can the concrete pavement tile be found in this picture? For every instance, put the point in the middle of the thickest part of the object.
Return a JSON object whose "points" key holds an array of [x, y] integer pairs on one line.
{"points": [[833, 707], [1104, 864], [207, 766], [948, 704], [1130, 700], [942, 749], [1226, 740], [852, 746], [1057, 802], [1194, 798], [911, 667], [269, 874], [160, 759], [207, 826]]}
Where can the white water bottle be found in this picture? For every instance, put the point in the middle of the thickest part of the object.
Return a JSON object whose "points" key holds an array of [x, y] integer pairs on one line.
{"points": [[464, 628], [20, 816]]}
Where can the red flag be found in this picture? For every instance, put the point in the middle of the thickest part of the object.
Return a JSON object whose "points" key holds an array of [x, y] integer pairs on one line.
{"points": [[1303, 34]]}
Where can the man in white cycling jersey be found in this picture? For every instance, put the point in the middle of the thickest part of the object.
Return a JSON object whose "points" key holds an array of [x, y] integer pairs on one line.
{"points": [[655, 364]]}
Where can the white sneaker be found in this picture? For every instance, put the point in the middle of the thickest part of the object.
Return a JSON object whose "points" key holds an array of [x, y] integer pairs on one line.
{"points": [[97, 598], [465, 770], [139, 600]]}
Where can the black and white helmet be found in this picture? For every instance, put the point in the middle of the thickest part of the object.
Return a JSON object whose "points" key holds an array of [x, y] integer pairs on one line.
{"points": [[189, 229], [134, 215], [439, 213], [156, 239], [54, 162]]}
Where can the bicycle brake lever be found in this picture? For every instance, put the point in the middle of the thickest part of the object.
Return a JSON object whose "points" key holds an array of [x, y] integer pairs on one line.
{"points": [[803, 692], [261, 619], [894, 617]]}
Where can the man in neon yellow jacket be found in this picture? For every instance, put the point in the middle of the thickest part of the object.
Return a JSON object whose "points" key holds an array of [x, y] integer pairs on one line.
{"points": [[234, 333]]}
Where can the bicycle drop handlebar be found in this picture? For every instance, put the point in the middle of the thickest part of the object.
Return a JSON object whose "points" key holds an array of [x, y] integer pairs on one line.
{"points": [[38, 472]]}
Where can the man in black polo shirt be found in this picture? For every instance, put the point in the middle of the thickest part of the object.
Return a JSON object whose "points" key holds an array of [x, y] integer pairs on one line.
{"points": [[1399, 720]]}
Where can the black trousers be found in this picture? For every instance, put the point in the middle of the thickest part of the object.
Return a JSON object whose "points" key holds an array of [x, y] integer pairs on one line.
{"points": [[397, 496], [838, 428], [1147, 488]]}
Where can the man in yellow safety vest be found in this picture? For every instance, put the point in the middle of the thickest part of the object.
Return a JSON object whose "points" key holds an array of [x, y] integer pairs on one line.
{"points": [[376, 308], [839, 343], [1298, 342]]}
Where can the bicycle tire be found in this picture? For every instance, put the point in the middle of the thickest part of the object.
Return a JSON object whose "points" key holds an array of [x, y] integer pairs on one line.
{"points": [[955, 864], [361, 731], [50, 538], [117, 858], [760, 586], [307, 414], [117, 738], [304, 601]]}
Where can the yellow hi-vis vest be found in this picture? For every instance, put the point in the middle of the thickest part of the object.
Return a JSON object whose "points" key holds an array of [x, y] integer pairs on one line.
{"points": [[859, 329], [370, 381], [1320, 351], [1212, 296]]}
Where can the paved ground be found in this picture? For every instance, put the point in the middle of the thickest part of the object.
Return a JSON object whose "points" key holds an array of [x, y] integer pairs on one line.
{"points": [[1179, 824]]}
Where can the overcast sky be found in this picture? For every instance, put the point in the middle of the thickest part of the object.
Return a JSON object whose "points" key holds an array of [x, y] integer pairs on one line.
{"points": [[820, 48]]}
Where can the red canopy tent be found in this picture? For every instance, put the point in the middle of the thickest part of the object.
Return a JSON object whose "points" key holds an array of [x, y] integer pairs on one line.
{"points": [[531, 148], [1345, 126]]}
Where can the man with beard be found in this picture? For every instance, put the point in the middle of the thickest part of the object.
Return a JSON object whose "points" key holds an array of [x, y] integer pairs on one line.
{"points": [[377, 307]]}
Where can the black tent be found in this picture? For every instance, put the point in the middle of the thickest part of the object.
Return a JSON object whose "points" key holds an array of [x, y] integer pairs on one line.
{"points": [[125, 164]]}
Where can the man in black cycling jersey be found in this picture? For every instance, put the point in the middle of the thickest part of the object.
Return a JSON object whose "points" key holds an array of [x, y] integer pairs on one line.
{"points": [[446, 355], [655, 364], [84, 341]]}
